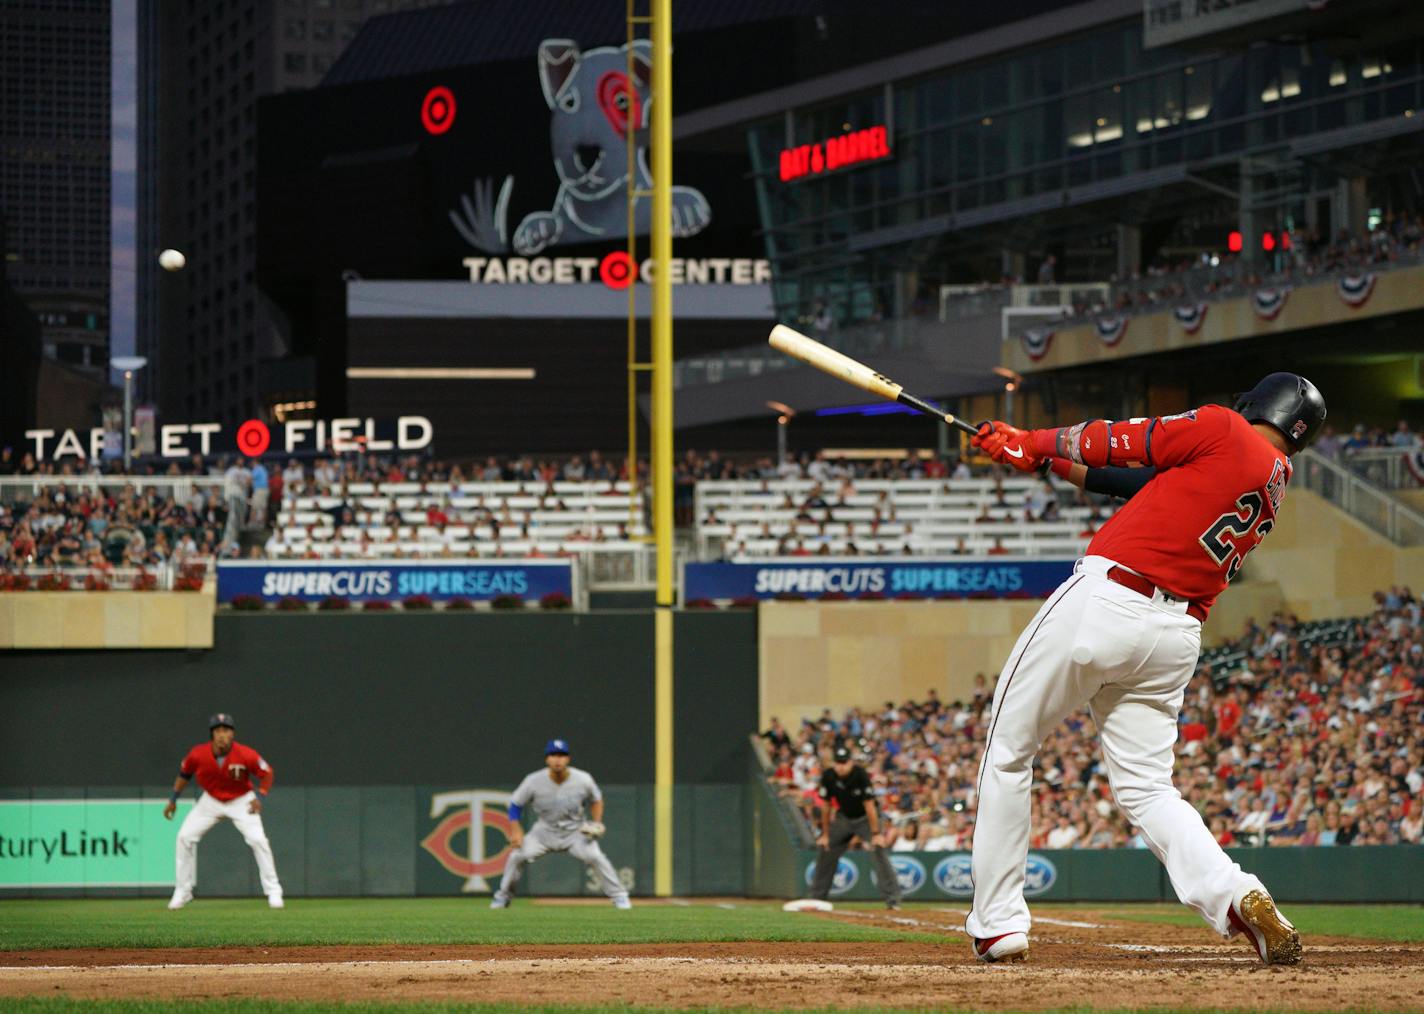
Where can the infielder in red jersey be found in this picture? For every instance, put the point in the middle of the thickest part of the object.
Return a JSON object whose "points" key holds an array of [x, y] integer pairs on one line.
{"points": [[1123, 635], [226, 770]]}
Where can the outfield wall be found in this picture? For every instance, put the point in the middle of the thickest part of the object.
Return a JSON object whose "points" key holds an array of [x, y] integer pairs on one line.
{"points": [[389, 699], [368, 718], [349, 840]]}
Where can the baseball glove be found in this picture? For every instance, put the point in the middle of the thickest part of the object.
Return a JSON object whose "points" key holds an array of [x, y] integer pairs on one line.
{"points": [[592, 829]]}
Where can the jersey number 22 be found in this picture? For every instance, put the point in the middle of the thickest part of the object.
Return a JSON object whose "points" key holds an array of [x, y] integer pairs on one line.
{"points": [[1245, 521]]}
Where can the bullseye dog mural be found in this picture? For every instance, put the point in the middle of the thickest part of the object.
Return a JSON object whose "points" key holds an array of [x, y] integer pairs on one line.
{"points": [[594, 101]]}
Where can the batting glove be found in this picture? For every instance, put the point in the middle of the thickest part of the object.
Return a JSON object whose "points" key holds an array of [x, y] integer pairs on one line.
{"points": [[1008, 445]]}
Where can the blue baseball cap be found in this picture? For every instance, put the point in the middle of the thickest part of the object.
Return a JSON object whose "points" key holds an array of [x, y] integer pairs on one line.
{"points": [[556, 746]]}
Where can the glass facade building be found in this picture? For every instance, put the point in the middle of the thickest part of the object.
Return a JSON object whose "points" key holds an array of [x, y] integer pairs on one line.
{"points": [[1058, 145]]}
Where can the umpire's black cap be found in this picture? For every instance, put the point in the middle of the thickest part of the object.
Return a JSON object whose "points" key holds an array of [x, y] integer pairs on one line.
{"points": [[221, 718], [841, 754]]}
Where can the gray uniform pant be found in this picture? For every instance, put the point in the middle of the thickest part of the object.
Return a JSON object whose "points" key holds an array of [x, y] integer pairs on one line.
{"points": [[842, 831], [543, 839]]}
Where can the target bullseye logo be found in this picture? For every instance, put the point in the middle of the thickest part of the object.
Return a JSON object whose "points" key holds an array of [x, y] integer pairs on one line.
{"points": [[253, 438], [437, 112], [618, 270]]}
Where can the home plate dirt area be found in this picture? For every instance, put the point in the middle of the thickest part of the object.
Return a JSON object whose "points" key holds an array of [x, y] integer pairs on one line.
{"points": [[1076, 959]]}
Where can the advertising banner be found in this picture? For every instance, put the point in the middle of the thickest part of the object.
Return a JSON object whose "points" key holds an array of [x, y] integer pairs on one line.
{"points": [[1050, 875], [394, 580], [87, 842], [925, 578]]}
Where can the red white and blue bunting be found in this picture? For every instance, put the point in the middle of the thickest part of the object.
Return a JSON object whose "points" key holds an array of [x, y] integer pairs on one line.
{"points": [[1269, 303], [1355, 290], [1191, 317], [1111, 329], [1414, 461], [1035, 342]]}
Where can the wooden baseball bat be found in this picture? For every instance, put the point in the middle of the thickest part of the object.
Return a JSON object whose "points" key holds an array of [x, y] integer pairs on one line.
{"points": [[813, 353]]}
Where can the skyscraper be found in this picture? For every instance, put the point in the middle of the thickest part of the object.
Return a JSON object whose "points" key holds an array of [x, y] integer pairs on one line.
{"points": [[54, 171], [202, 68]]}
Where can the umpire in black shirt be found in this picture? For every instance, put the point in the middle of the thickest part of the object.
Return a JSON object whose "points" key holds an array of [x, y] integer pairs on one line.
{"points": [[857, 816]]}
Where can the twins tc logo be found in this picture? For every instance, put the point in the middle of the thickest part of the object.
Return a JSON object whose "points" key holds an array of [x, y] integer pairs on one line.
{"points": [[909, 871], [475, 864], [847, 874]]}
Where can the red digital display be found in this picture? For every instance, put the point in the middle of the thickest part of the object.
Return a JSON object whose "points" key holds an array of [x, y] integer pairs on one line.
{"points": [[437, 111], [855, 148], [1233, 241]]}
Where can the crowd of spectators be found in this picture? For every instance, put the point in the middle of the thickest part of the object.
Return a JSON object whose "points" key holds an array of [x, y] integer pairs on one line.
{"points": [[1302, 743], [1295, 259], [65, 526], [1367, 438]]}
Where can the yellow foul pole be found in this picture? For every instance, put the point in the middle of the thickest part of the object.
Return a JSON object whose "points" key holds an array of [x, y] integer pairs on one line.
{"points": [[662, 437]]}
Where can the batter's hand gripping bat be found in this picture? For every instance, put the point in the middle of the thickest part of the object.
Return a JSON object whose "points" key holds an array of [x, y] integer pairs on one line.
{"points": [[813, 353]]}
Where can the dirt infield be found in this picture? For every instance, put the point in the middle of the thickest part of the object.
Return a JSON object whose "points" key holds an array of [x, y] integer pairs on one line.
{"points": [[1076, 959]]}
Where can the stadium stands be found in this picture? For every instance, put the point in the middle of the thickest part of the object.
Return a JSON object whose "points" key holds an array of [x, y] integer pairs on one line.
{"points": [[966, 516], [100, 533], [496, 519], [1309, 258], [1298, 734]]}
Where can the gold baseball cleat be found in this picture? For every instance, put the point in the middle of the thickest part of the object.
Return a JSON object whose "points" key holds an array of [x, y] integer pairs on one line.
{"points": [[1272, 934]]}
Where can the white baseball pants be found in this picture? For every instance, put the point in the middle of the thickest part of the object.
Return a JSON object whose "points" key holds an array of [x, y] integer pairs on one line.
{"points": [[543, 839], [1129, 658], [200, 821]]}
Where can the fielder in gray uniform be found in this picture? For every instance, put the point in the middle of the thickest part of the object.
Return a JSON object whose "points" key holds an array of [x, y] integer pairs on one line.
{"points": [[558, 795]]}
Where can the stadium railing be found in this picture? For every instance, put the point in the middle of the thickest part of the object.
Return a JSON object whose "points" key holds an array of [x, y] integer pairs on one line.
{"points": [[1361, 499], [1384, 466], [179, 487]]}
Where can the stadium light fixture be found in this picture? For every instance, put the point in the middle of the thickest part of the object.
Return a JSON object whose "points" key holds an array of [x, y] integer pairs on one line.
{"points": [[129, 365]]}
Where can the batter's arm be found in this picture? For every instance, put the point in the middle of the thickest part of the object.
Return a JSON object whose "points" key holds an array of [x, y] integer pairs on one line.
{"points": [[1123, 483], [1159, 441]]}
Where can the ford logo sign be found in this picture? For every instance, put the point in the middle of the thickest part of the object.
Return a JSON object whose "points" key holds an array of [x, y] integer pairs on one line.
{"points": [[953, 875], [847, 873], [1039, 875], [909, 871]]}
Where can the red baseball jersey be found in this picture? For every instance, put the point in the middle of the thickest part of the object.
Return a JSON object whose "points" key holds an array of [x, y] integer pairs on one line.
{"points": [[1218, 487], [227, 777]]}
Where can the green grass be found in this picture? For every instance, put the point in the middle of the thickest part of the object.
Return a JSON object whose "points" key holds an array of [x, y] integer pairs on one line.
{"points": [[1374, 922], [29, 924]]}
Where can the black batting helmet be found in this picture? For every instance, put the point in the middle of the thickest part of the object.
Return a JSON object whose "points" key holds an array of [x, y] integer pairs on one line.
{"points": [[1289, 403], [221, 718]]}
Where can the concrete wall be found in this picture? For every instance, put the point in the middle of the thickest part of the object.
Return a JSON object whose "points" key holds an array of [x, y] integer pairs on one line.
{"points": [[842, 654], [1326, 563], [116, 619]]}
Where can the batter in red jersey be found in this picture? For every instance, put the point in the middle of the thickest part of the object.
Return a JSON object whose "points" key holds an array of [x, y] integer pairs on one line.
{"points": [[227, 771], [1123, 635]]}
